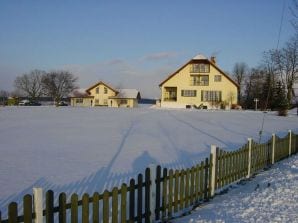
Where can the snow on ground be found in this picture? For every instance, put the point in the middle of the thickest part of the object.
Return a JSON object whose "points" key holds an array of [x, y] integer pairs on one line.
{"points": [[272, 196], [89, 149]]}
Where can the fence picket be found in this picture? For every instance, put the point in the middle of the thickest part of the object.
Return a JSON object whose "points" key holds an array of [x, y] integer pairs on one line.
{"points": [[85, 208], [202, 171], [105, 207], [197, 183], [62, 208], [192, 182], [170, 195], [147, 195], [27, 206], [157, 202], [123, 202], [164, 193], [49, 206], [74, 208], [13, 212], [140, 198], [176, 191], [181, 194], [95, 209], [115, 205], [132, 200], [206, 197], [186, 204]]}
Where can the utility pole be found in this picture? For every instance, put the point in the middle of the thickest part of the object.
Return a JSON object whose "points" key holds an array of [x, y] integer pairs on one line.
{"points": [[256, 101]]}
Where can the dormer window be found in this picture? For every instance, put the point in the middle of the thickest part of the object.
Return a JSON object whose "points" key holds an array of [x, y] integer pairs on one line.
{"points": [[200, 68]]}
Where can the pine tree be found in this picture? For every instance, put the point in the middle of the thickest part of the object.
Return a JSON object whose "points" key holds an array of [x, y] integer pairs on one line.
{"points": [[281, 100]]}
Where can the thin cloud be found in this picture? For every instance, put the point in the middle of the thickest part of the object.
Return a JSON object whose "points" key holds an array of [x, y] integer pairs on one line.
{"points": [[159, 56], [121, 73]]}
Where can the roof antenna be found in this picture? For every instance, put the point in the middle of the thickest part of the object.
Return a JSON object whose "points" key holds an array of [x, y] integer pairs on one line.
{"points": [[277, 46]]}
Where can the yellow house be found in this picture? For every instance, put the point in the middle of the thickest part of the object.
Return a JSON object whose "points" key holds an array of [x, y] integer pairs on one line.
{"points": [[102, 94], [199, 83]]}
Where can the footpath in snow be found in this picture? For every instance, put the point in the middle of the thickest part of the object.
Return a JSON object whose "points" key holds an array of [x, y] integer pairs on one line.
{"points": [[271, 196]]}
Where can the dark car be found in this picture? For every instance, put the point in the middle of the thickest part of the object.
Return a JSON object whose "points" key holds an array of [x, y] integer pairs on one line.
{"points": [[62, 103], [34, 103]]}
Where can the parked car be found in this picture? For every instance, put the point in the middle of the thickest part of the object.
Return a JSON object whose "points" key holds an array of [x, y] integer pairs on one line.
{"points": [[34, 103], [62, 103], [29, 103], [24, 102]]}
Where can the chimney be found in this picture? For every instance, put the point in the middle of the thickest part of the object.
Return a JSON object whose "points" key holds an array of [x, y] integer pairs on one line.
{"points": [[213, 59]]}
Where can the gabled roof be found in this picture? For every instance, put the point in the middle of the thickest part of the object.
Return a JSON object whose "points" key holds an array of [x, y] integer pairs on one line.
{"points": [[197, 58], [127, 94], [98, 83]]}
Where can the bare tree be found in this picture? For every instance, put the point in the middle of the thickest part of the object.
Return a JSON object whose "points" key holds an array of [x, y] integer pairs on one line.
{"points": [[3, 97], [30, 84], [59, 84], [291, 66], [294, 11], [286, 65], [239, 72]]}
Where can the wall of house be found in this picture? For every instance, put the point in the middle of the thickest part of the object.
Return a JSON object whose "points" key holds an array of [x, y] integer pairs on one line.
{"points": [[115, 103], [100, 98], [87, 102], [182, 80]]}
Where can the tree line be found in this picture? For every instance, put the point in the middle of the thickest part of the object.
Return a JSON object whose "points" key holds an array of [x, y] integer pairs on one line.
{"points": [[273, 81], [38, 83]]}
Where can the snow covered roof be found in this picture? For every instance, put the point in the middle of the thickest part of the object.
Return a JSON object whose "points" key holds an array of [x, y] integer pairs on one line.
{"points": [[127, 93], [200, 57], [81, 92]]}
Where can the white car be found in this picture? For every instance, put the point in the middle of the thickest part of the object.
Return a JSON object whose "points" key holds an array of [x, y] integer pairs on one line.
{"points": [[24, 102]]}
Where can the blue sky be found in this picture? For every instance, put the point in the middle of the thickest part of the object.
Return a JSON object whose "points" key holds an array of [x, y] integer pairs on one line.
{"points": [[134, 43]]}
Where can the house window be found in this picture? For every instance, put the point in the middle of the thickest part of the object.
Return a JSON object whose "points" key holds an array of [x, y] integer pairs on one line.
{"points": [[211, 96], [188, 93], [79, 100], [105, 101], [97, 90], [170, 94], [217, 78], [201, 80], [105, 90], [200, 68], [123, 101], [96, 101]]}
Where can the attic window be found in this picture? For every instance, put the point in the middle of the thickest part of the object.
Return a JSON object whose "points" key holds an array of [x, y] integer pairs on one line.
{"points": [[97, 90], [217, 78], [105, 90], [200, 68]]}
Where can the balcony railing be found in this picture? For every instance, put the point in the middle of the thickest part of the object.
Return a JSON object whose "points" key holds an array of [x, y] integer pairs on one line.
{"points": [[199, 83]]}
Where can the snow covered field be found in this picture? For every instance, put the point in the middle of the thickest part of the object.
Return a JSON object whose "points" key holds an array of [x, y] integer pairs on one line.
{"points": [[271, 196], [89, 149]]}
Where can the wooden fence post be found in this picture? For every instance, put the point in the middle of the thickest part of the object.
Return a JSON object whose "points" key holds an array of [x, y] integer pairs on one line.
{"points": [[152, 191], [273, 149], [213, 169], [38, 202], [249, 157], [290, 142]]}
